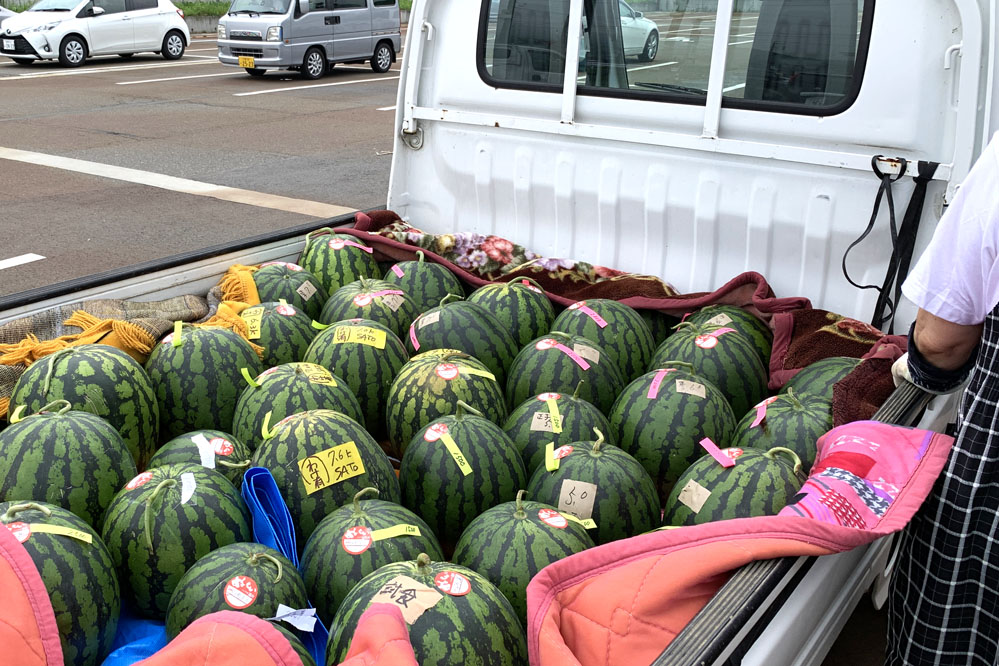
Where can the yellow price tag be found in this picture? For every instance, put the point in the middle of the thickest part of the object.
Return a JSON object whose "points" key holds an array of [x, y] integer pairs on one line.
{"points": [[459, 457], [42, 528], [395, 531], [588, 523], [252, 317], [330, 467], [317, 374], [361, 335], [178, 328], [551, 462], [477, 372], [556, 417]]}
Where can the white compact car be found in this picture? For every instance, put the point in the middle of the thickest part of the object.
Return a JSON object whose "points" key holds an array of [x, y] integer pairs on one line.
{"points": [[72, 30], [640, 35], [5, 14]]}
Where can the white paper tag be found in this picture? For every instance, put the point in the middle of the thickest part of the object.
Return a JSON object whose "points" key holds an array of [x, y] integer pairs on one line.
{"points": [[306, 290], [719, 320], [543, 422], [303, 619], [205, 450], [690, 388], [577, 497], [431, 318], [694, 495], [393, 301], [589, 353], [187, 486]]}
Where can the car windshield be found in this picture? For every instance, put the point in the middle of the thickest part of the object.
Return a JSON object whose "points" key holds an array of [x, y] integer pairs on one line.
{"points": [[54, 5], [259, 6]]}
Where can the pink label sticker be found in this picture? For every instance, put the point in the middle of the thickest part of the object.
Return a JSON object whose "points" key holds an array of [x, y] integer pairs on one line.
{"points": [[447, 371], [550, 343], [435, 432], [222, 447], [356, 540], [286, 310], [716, 453], [240, 592], [545, 397], [397, 270], [388, 292], [453, 583], [761, 411], [710, 340], [412, 336], [562, 452], [553, 518], [340, 243], [362, 300], [531, 286], [733, 452], [139, 481], [588, 311], [291, 267], [657, 381], [21, 531]]}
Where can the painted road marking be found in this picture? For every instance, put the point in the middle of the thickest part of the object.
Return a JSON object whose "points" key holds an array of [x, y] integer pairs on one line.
{"points": [[215, 48], [386, 108], [178, 78], [664, 64], [174, 184], [317, 85], [735, 87], [17, 261], [98, 70]]}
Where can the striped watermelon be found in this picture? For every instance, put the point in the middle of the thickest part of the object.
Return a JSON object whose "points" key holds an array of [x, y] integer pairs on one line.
{"points": [[600, 482], [458, 324], [761, 483], [296, 643], [820, 377], [163, 521], [425, 282], [246, 577], [791, 420], [722, 356], [290, 389], [456, 468], [660, 323], [468, 620], [283, 330], [368, 356], [661, 417], [99, 379], [513, 541], [71, 459], [751, 326], [558, 362], [337, 259], [280, 281], [531, 427], [195, 372], [315, 446], [77, 573], [430, 385], [521, 305], [371, 299], [615, 328], [355, 540], [213, 449]]}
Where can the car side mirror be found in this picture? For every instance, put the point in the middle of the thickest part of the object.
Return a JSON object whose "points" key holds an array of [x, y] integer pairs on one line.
{"points": [[639, 15], [96, 11], [303, 6]]}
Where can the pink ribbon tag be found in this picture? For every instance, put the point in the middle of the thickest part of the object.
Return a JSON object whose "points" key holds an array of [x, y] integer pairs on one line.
{"points": [[716, 453], [657, 382], [710, 340], [340, 243], [588, 311], [685, 315], [550, 343], [761, 411], [388, 292], [412, 336], [397, 270]]}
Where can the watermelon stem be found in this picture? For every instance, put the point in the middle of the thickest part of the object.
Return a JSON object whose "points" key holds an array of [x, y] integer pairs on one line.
{"points": [[50, 367], [65, 407], [420, 257], [680, 365], [26, 506], [794, 457], [600, 441], [684, 324], [232, 465], [520, 513], [575, 394], [148, 514], [256, 557], [308, 236], [450, 297], [795, 402], [465, 407], [423, 564], [357, 498]]}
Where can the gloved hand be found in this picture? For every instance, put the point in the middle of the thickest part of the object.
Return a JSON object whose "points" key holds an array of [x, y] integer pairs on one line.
{"points": [[900, 370]]}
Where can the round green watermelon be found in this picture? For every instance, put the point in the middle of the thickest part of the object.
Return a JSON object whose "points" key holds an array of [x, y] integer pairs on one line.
{"points": [[357, 539], [790, 420], [371, 299], [466, 619], [330, 452], [296, 643], [281, 281], [521, 305], [615, 328], [337, 259], [820, 377], [71, 459], [660, 323], [283, 330], [760, 483], [162, 522], [213, 449], [246, 577], [511, 542], [749, 325], [196, 373], [425, 282], [99, 379], [78, 574]]}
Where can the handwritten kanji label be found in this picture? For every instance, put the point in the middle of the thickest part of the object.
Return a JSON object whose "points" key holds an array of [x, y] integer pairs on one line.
{"points": [[79, 535], [317, 374], [694, 495], [394, 301], [453, 583], [253, 318], [362, 335], [589, 353], [545, 422], [356, 540], [412, 597], [21, 531], [690, 388], [240, 592], [761, 411], [306, 290], [395, 531], [139, 481], [719, 320], [330, 467], [577, 497], [553, 518]]}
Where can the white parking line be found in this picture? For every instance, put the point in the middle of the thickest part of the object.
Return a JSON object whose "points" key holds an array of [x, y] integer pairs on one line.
{"points": [[662, 64], [196, 50], [178, 78], [315, 85], [386, 108], [98, 70], [174, 184], [746, 41], [735, 87], [19, 260]]}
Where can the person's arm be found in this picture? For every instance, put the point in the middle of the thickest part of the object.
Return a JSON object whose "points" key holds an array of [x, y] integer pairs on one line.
{"points": [[941, 353]]}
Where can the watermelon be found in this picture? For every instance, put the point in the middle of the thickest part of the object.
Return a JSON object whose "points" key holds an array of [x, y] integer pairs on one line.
{"points": [[466, 621], [355, 540], [333, 454], [720, 355], [521, 305], [458, 324], [791, 420], [78, 575], [749, 325], [659, 323], [163, 521], [558, 362], [283, 330], [820, 377], [99, 379], [430, 385], [761, 483], [661, 417], [246, 577], [337, 259], [296, 643], [280, 281], [531, 427], [195, 372], [371, 299], [368, 356], [213, 449], [600, 482], [71, 459], [511, 542], [615, 328], [289, 389], [424, 282]]}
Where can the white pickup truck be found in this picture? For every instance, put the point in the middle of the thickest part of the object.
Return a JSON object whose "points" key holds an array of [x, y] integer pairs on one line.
{"points": [[745, 143]]}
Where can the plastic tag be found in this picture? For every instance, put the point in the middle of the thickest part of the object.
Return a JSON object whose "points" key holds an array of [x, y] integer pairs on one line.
{"points": [[556, 417], [178, 328], [690, 388], [412, 336], [266, 431], [761, 411], [585, 309], [477, 373], [553, 456], [397, 270], [253, 318], [393, 301], [545, 422], [657, 381], [395, 531], [716, 453], [306, 290], [431, 318], [362, 335], [317, 374], [412, 597], [249, 378], [187, 487], [549, 343], [459, 457], [577, 497], [588, 523], [694, 495], [206, 450], [303, 619], [43, 528], [340, 243], [320, 326], [16, 416], [330, 467]]}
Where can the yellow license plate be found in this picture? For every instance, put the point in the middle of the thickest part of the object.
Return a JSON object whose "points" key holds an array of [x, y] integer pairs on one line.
{"points": [[246, 61]]}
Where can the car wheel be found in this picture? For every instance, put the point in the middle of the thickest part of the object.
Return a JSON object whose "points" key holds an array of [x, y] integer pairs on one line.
{"points": [[254, 71], [23, 61], [125, 56], [314, 64], [72, 52], [173, 45], [651, 48], [382, 58]]}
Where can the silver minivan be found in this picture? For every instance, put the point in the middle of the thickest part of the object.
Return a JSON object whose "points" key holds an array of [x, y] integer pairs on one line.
{"points": [[309, 36]]}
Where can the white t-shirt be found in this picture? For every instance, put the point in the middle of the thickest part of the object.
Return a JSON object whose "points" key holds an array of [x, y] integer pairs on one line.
{"points": [[957, 277]]}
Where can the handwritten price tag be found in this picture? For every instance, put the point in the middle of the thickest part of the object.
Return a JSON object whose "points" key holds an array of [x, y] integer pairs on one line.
{"points": [[556, 417], [306, 290], [330, 467], [395, 531], [42, 528], [411, 596], [253, 317], [317, 374], [361, 335], [459, 457], [577, 497], [545, 422], [690, 388]]}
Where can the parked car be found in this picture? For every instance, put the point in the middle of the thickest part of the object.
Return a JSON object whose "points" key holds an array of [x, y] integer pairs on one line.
{"points": [[5, 14], [73, 30], [640, 36]]}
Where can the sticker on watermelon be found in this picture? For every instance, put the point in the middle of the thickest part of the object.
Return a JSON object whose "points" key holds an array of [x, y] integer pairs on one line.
{"points": [[362, 300], [337, 244], [710, 340], [553, 518], [453, 583], [733, 453], [21, 531], [240, 592], [562, 452], [547, 343], [139, 481], [167, 340], [222, 447], [356, 540], [447, 371], [435, 432], [545, 397], [285, 310]]}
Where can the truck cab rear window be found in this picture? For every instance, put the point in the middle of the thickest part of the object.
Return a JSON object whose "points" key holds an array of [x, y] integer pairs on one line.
{"points": [[802, 56]]}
